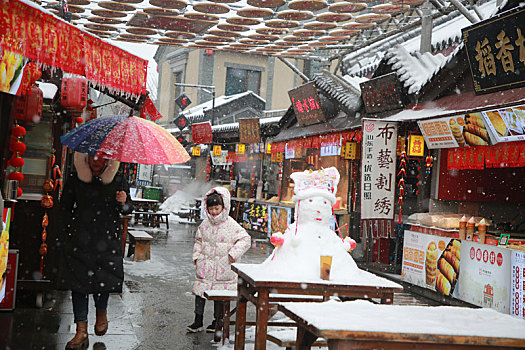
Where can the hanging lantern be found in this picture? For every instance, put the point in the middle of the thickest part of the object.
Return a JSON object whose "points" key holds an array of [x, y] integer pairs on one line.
{"points": [[90, 113], [18, 147], [19, 192], [73, 94], [429, 160], [48, 185], [28, 106], [16, 176], [47, 201], [18, 131], [79, 120]]}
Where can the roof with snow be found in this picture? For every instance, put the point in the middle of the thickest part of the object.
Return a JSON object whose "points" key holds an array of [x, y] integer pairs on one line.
{"points": [[345, 90]]}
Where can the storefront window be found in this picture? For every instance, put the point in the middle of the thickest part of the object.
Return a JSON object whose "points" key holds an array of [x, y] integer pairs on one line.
{"points": [[241, 80]]}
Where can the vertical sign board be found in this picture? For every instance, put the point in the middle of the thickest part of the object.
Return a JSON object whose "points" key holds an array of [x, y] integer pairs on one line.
{"points": [[517, 281], [201, 133], [144, 174], [378, 175], [382, 93], [249, 130], [496, 51], [307, 105]]}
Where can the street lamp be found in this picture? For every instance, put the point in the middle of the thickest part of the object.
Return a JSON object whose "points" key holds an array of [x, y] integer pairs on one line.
{"points": [[206, 88]]}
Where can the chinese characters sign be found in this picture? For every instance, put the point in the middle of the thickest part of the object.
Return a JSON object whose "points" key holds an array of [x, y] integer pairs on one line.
{"points": [[496, 52], [201, 133], [255, 217], [183, 101], [517, 295], [181, 122], [378, 169], [249, 130], [381, 94], [306, 104], [416, 146]]}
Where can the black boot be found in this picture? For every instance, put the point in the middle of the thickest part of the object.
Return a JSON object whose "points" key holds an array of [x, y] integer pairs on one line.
{"points": [[196, 326], [211, 327]]}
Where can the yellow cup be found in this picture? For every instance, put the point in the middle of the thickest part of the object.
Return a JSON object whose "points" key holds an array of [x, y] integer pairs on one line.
{"points": [[326, 266]]}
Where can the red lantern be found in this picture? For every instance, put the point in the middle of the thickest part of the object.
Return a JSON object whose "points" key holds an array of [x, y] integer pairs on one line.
{"points": [[74, 92], [45, 221], [17, 162], [18, 131], [79, 120], [43, 249], [19, 192], [48, 185], [16, 176], [28, 107], [47, 201], [18, 147]]}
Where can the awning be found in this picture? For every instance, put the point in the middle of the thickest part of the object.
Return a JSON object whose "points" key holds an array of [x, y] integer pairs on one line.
{"points": [[463, 103], [31, 31], [340, 123]]}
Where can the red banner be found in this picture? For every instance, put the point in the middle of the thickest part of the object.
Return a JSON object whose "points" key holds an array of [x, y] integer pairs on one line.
{"points": [[501, 155], [150, 110], [48, 40]]}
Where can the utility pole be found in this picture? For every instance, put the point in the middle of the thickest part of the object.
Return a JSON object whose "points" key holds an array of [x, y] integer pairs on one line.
{"points": [[206, 88]]}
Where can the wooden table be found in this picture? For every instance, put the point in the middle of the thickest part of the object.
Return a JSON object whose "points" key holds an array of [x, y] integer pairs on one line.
{"points": [[144, 204], [364, 325], [256, 288]]}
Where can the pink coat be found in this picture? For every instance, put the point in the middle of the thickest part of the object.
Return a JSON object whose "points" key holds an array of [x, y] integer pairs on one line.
{"points": [[216, 239]]}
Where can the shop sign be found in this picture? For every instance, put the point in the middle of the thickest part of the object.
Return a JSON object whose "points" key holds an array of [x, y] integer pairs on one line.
{"points": [[201, 133], [456, 131], [277, 157], [381, 94], [8, 287], [183, 101], [416, 146], [307, 105], [280, 219], [144, 174], [240, 148], [249, 130], [330, 149], [420, 266], [196, 151], [496, 51], [401, 145], [221, 158], [217, 150], [289, 152], [485, 271], [181, 122], [268, 148], [255, 217], [350, 150], [517, 281], [378, 169]]}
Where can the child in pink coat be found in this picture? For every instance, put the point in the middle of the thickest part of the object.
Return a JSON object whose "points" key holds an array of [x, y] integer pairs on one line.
{"points": [[219, 242]]}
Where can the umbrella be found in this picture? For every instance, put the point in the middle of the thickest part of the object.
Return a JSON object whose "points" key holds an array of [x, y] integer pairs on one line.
{"points": [[127, 139]]}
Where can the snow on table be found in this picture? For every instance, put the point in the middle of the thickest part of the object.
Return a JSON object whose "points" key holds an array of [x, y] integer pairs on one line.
{"points": [[361, 315], [263, 273]]}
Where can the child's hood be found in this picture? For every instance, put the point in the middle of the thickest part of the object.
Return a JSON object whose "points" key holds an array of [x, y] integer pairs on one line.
{"points": [[225, 194]]}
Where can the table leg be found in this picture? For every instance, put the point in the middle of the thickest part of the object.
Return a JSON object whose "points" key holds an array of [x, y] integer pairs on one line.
{"points": [[263, 299], [240, 321], [226, 325], [125, 221], [304, 339], [219, 326]]}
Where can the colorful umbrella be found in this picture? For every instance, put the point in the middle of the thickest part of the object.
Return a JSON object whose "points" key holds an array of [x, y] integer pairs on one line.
{"points": [[127, 139]]}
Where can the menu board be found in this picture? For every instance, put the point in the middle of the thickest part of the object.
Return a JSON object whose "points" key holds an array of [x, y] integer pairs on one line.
{"points": [[506, 124], [517, 282], [255, 217]]}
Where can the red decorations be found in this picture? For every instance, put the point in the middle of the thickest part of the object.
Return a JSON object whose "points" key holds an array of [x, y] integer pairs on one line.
{"points": [[47, 201], [73, 94], [18, 148], [19, 192], [31, 74], [150, 109], [429, 160], [17, 162], [45, 39], [90, 111], [28, 106], [16, 176], [18, 131], [401, 183], [48, 185], [79, 120], [201, 133]]}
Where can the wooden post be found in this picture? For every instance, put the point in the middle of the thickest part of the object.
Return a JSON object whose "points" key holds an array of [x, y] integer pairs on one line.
{"points": [[125, 222], [262, 319]]}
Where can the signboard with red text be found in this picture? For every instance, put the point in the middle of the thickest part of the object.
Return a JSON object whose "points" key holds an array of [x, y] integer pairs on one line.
{"points": [[306, 104], [517, 281]]}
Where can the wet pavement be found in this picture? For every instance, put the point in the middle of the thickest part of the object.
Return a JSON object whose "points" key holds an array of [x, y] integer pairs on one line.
{"points": [[155, 307]]}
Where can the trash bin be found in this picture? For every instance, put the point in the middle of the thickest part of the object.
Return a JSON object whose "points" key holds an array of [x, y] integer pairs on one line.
{"points": [[150, 192]]}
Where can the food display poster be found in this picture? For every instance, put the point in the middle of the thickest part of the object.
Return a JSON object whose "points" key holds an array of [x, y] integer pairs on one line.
{"points": [[431, 261], [485, 276], [280, 219], [456, 131], [221, 159], [517, 281], [506, 124], [378, 175], [255, 217]]}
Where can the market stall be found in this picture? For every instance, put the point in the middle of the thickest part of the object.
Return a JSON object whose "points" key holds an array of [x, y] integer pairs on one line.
{"points": [[48, 66]]}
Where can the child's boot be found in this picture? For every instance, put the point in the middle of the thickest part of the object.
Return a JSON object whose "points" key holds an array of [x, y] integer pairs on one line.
{"points": [[211, 327], [197, 324]]}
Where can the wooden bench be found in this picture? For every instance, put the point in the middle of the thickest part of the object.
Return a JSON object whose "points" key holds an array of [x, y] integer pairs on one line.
{"points": [[223, 324], [151, 219], [139, 245], [286, 338]]}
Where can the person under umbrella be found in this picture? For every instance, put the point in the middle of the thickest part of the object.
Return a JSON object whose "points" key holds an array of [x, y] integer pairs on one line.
{"points": [[89, 240]]}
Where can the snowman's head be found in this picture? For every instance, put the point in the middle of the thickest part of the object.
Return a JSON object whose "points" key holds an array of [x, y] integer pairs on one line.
{"points": [[316, 183], [315, 209]]}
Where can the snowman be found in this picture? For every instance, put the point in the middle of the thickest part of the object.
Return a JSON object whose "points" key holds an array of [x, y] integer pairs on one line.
{"points": [[299, 249]]}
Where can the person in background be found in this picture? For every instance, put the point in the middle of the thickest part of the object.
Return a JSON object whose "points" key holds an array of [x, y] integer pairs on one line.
{"points": [[219, 242], [89, 240]]}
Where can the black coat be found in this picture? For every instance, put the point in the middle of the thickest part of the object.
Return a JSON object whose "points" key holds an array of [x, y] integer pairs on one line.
{"points": [[89, 237]]}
